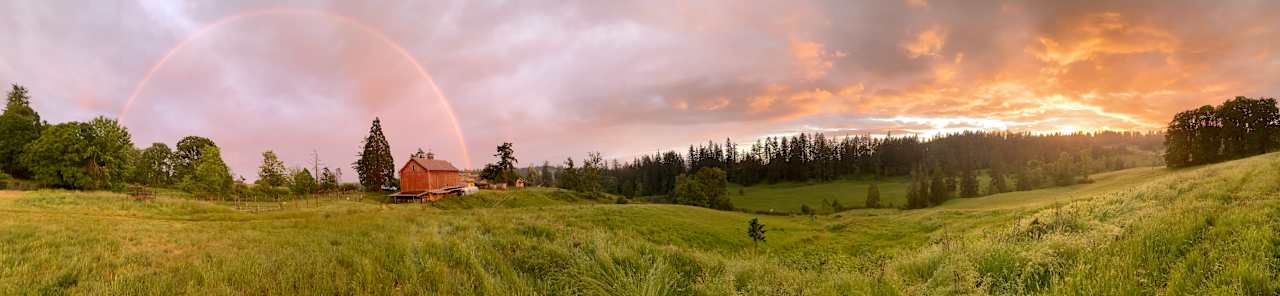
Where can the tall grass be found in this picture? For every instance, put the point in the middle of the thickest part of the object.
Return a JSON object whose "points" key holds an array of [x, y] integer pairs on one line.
{"points": [[1203, 231]]}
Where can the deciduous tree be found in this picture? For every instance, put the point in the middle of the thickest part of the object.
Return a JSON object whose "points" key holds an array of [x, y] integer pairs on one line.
{"points": [[210, 175], [272, 171], [303, 182], [155, 166], [187, 152]]}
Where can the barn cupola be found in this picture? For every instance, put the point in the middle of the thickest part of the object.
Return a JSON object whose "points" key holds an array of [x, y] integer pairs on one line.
{"points": [[431, 155]]}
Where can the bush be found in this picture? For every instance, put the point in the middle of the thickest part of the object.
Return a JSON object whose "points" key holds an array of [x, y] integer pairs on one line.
{"points": [[348, 187], [706, 188]]}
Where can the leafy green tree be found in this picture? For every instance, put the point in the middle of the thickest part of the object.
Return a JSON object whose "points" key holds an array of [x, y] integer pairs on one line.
{"points": [[590, 177], [93, 155], [715, 182], [328, 180], [689, 191], [19, 126], [155, 166], [809, 211], [1247, 126], [111, 158], [60, 156], [756, 230], [210, 175], [836, 206], [303, 182], [187, 153], [873, 196], [705, 188], [272, 171], [375, 165]]}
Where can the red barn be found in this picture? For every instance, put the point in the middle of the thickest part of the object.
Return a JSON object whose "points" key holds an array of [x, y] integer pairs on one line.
{"points": [[425, 177]]}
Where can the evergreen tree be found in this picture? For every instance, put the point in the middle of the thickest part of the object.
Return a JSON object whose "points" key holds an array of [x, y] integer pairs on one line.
{"points": [[505, 170], [1064, 170], [918, 190], [998, 182], [968, 184], [272, 171], [873, 196], [1023, 180], [568, 177], [375, 165], [19, 126], [756, 230], [548, 178], [938, 191]]}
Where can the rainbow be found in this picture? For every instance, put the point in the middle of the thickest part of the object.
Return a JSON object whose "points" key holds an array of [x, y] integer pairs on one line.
{"points": [[337, 18]]}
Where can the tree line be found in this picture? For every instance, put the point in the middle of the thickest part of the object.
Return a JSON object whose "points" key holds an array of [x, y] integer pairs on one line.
{"points": [[99, 154], [1237, 128], [939, 168]]}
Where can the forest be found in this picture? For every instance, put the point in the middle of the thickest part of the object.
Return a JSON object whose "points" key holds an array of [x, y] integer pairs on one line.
{"points": [[1237, 128], [1010, 160]]}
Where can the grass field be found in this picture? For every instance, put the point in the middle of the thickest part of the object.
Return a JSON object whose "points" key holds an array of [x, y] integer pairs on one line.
{"points": [[1212, 230], [787, 197]]}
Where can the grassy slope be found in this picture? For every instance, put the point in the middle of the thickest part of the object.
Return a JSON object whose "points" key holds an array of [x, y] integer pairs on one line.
{"points": [[787, 197], [1207, 230]]}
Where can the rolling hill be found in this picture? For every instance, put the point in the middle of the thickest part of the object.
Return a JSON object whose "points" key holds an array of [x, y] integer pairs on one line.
{"points": [[1205, 230]]}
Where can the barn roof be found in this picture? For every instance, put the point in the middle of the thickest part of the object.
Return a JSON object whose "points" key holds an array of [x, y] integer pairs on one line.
{"points": [[434, 164]]}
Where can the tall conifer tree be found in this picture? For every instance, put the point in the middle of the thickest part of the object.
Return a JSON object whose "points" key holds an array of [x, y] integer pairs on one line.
{"points": [[375, 165]]}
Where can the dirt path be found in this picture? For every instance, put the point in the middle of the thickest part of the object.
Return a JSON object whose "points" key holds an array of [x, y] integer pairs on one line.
{"points": [[11, 193]]}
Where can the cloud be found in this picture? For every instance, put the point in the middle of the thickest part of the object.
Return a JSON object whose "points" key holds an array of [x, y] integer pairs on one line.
{"points": [[814, 60], [624, 77], [926, 43]]}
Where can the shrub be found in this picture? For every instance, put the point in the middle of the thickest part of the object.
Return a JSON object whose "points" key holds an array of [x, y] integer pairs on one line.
{"points": [[348, 187]]}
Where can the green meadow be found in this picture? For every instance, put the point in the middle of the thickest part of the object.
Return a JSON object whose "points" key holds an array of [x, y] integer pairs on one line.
{"points": [[1209, 230], [787, 197]]}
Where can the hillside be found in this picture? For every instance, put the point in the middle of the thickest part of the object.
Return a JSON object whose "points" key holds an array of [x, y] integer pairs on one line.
{"points": [[1203, 230], [788, 197]]}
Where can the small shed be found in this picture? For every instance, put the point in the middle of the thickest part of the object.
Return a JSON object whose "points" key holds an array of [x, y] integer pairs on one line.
{"points": [[424, 177]]}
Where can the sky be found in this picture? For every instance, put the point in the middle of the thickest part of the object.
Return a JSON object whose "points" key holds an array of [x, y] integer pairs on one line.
{"points": [[563, 78]]}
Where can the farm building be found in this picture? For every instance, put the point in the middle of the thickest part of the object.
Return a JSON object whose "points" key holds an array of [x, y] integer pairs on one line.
{"points": [[427, 178]]}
